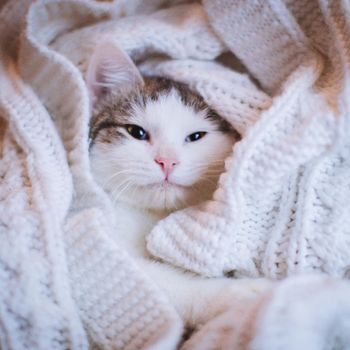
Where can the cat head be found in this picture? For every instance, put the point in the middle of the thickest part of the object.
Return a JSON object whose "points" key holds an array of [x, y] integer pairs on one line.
{"points": [[154, 143]]}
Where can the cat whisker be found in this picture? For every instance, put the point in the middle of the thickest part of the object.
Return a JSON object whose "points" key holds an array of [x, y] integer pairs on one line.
{"points": [[135, 173], [119, 173], [122, 190], [121, 185]]}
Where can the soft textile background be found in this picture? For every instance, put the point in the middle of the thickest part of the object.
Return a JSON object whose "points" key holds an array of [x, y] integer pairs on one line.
{"points": [[282, 207]]}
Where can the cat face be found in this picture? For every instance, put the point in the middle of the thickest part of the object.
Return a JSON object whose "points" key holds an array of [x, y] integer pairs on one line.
{"points": [[158, 145]]}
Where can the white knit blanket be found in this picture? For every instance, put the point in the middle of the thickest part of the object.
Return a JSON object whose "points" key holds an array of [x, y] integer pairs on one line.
{"points": [[282, 206]]}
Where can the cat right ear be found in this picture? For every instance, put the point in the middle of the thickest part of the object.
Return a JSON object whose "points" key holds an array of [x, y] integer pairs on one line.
{"points": [[111, 70]]}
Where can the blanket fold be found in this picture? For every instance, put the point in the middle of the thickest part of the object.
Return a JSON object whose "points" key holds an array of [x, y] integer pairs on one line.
{"points": [[280, 209], [55, 242], [279, 195]]}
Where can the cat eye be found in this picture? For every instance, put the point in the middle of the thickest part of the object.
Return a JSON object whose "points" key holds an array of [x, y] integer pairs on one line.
{"points": [[137, 132], [195, 136]]}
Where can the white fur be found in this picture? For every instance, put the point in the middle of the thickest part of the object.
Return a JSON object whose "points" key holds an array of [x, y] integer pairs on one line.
{"points": [[197, 299], [136, 184], [127, 170]]}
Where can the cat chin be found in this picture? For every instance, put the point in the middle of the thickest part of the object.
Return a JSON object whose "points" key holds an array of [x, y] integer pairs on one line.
{"points": [[164, 197]]}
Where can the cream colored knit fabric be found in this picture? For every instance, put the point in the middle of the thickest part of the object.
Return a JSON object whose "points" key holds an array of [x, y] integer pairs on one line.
{"points": [[55, 247], [281, 207]]}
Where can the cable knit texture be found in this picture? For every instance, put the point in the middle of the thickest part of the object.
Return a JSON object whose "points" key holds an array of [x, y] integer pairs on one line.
{"points": [[281, 207]]}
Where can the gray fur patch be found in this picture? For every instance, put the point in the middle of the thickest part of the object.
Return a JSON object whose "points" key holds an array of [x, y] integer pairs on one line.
{"points": [[114, 112]]}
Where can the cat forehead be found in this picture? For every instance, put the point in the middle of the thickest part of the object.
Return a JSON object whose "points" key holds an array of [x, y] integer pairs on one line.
{"points": [[160, 106], [169, 112]]}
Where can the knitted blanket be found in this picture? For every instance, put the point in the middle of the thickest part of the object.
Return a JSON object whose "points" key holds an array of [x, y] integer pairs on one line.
{"points": [[281, 207]]}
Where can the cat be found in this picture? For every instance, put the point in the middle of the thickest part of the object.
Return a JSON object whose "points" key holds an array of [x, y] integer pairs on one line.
{"points": [[156, 147]]}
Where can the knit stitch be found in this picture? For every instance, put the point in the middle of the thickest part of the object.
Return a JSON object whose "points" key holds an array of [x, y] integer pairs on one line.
{"points": [[51, 262], [281, 207]]}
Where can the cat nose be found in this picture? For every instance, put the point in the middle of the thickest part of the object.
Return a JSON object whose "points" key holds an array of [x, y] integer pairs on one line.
{"points": [[167, 164]]}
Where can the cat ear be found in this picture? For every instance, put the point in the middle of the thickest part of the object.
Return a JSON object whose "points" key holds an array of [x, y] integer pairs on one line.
{"points": [[111, 70]]}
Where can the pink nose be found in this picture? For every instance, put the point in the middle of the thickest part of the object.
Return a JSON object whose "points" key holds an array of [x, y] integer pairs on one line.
{"points": [[167, 164]]}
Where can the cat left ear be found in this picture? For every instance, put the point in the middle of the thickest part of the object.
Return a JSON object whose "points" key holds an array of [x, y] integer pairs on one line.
{"points": [[111, 70]]}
